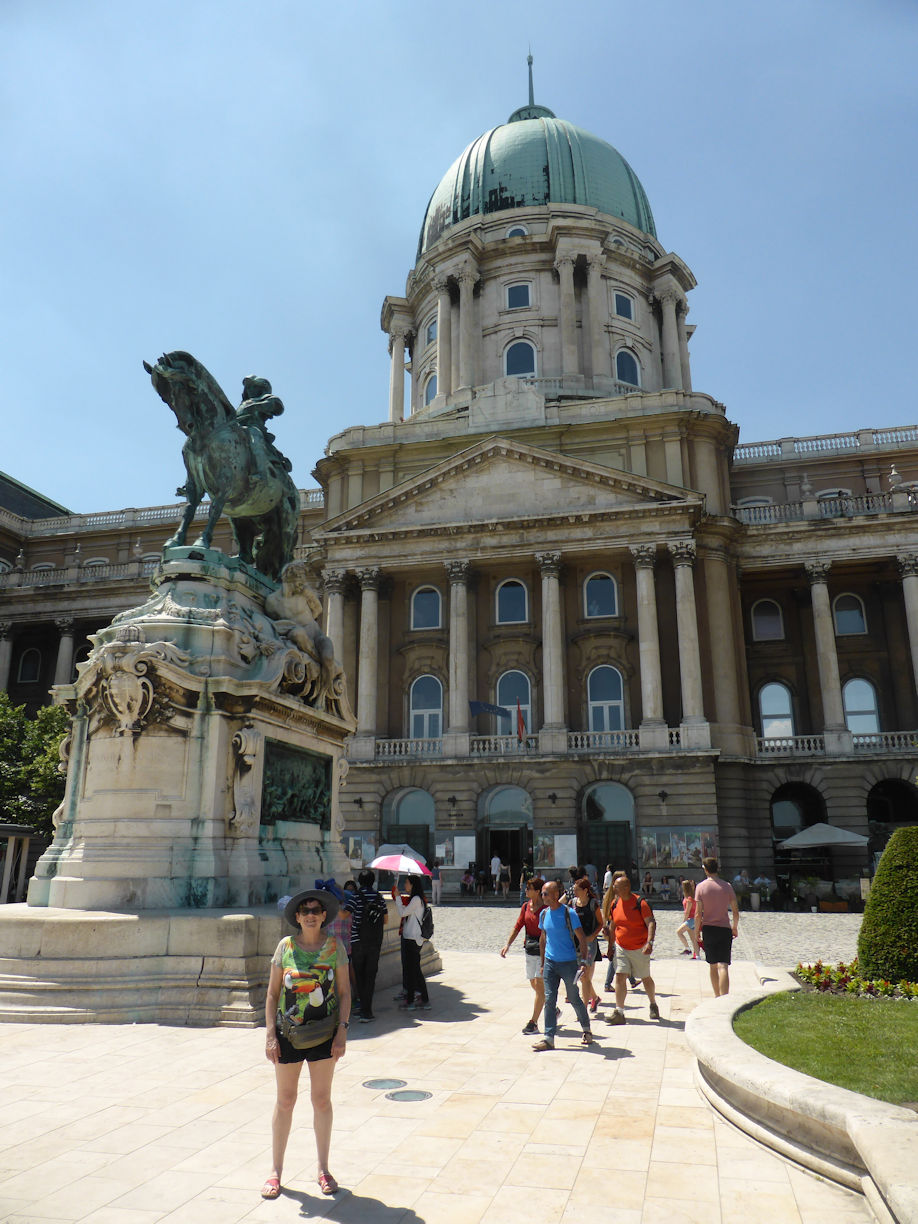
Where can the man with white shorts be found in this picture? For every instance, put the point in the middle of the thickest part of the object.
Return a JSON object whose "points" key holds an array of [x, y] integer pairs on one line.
{"points": [[635, 928]]}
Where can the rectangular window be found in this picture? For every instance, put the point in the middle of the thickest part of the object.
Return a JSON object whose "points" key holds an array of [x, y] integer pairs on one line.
{"points": [[517, 296], [624, 307]]}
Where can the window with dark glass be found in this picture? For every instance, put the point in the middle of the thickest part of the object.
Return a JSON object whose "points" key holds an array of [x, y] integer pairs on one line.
{"points": [[29, 666], [520, 358], [430, 389], [624, 307], [849, 615], [513, 687], [605, 698], [517, 231], [600, 596], [431, 331], [626, 368], [426, 714], [425, 608], [767, 621], [511, 603], [517, 296], [776, 711], [860, 701]]}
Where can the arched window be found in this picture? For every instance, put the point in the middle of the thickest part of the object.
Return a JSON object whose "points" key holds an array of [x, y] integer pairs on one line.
{"points": [[512, 604], [776, 710], [431, 332], [414, 807], [520, 358], [425, 608], [517, 231], [430, 389], [43, 565], [508, 805], [627, 369], [29, 666], [426, 708], [5, 566], [518, 296], [860, 700], [767, 621], [849, 615], [600, 596], [794, 807], [605, 699], [95, 562], [609, 801], [513, 687]]}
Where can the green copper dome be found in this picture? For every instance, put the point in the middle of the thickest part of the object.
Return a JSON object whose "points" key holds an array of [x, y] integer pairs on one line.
{"points": [[535, 158]]}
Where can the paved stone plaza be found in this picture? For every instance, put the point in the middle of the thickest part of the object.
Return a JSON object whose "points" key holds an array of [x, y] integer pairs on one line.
{"points": [[145, 1124]]}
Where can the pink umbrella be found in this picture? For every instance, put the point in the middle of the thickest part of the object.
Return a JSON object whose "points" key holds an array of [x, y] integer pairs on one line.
{"points": [[401, 864]]}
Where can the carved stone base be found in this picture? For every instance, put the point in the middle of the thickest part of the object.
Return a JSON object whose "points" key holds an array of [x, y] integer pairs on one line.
{"points": [[202, 967]]}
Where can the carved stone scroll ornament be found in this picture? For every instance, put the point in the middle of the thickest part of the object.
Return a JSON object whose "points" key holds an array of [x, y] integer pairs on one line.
{"points": [[118, 675], [247, 744]]}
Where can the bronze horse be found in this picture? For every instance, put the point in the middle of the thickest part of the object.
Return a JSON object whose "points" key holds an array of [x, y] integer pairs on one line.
{"points": [[234, 461]]}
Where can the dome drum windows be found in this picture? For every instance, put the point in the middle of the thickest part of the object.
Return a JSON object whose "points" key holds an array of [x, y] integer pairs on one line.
{"points": [[430, 333], [627, 369], [517, 231], [519, 296], [519, 359], [430, 390], [624, 306]]}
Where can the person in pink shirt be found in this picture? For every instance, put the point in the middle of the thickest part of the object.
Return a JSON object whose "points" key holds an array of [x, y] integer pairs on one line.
{"points": [[714, 902]]}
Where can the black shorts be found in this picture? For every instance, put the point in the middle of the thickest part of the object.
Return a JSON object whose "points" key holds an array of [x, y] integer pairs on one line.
{"points": [[718, 944], [289, 1053]]}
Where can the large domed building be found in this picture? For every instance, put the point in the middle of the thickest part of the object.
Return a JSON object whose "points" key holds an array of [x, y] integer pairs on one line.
{"points": [[580, 620]]}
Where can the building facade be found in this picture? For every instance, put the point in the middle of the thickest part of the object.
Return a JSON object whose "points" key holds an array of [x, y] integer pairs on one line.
{"points": [[581, 620]]}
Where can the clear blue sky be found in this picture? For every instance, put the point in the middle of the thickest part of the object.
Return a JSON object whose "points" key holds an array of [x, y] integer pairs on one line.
{"points": [[246, 181]]}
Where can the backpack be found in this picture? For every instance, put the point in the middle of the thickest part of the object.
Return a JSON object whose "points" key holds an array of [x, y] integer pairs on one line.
{"points": [[427, 923], [372, 919]]}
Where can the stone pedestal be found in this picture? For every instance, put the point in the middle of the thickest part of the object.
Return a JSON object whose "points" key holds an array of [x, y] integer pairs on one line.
{"points": [[204, 764]]}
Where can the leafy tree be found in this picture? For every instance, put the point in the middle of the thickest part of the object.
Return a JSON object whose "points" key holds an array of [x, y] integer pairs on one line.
{"points": [[887, 947], [30, 785]]}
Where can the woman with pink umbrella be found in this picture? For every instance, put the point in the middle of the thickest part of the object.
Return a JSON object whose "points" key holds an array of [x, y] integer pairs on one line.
{"points": [[411, 912]]}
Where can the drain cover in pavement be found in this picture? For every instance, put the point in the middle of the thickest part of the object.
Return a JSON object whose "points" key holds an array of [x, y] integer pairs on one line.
{"points": [[410, 1094], [381, 1084]]}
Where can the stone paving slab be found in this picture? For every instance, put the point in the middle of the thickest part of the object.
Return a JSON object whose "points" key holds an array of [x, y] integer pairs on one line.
{"points": [[145, 1124]]}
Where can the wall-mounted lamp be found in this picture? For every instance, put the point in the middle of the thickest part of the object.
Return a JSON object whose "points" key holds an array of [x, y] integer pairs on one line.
{"points": [[452, 801], [553, 798], [358, 802], [662, 795]]}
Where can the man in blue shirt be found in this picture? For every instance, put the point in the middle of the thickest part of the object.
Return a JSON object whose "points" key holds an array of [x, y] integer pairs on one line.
{"points": [[559, 942]]}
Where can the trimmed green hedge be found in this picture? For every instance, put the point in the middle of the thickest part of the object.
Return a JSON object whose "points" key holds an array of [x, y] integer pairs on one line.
{"points": [[887, 946]]}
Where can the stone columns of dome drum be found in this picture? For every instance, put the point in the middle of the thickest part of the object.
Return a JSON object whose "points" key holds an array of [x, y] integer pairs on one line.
{"points": [[653, 729], [6, 654], [564, 266], [63, 670], [602, 366], [397, 338], [837, 737], [333, 585], [458, 573], [683, 347], [672, 364], [368, 659], [683, 555], [467, 278], [444, 339], [908, 570]]}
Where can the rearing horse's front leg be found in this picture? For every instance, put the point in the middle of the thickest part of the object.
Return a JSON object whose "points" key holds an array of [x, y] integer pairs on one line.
{"points": [[216, 509], [194, 500]]}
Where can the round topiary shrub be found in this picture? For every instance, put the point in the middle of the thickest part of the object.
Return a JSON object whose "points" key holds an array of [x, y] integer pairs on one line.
{"points": [[887, 947]]}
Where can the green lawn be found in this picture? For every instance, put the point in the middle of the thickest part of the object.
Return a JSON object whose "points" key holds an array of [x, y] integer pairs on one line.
{"points": [[867, 1045]]}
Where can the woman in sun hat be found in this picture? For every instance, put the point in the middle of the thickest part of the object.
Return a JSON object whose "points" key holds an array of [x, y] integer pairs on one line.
{"points": [[309, 985]]}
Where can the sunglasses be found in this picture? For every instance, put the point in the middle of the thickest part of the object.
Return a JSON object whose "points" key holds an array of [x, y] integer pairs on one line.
{"points": [[310, 909]]}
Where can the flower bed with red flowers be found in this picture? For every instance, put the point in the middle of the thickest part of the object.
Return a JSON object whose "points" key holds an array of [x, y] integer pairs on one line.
{"points": [[846, 979]]}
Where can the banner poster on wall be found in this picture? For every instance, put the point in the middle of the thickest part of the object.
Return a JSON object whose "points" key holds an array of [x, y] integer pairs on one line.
{"points": [[361, 848], [463, 849], [565, 850], [677, 847], [444, 851], [544, 851]]}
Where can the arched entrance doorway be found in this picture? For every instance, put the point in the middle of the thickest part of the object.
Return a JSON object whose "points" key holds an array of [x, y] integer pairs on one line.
{"points": [[505, 828], [794, 807], [607, 826], [891, 804], [409, 816]]}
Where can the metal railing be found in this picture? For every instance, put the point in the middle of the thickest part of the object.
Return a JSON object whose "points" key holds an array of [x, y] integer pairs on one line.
{"points": [[603, 741]]}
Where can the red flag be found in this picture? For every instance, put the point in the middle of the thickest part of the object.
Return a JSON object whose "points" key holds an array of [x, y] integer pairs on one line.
{"points": [[520, 724]]}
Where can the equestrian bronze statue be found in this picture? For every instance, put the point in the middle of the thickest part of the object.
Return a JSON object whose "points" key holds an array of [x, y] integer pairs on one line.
{"points": [[230, 456]]}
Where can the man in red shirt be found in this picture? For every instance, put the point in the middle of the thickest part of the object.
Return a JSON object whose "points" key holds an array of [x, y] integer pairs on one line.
{"points": [[635, 928], [715, 900]]}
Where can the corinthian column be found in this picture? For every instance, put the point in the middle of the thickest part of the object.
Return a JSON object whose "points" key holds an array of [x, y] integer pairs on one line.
{"points": [[552, 641], [683, 555], [653, 729], [368, 659], [63, 670], [683, 347], [672, 365], [564, 266], [444, 338], [458, 729], [397, 374], [467, 278], [333, 585], [598, 344], [833, 713], [908, 570]]}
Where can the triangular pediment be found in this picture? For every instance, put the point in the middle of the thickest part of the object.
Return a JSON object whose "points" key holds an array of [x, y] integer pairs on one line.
{"points": [[499, 480]]}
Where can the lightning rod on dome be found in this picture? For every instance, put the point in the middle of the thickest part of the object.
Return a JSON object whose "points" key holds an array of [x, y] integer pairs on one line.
{"points": [[529, 62]]}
